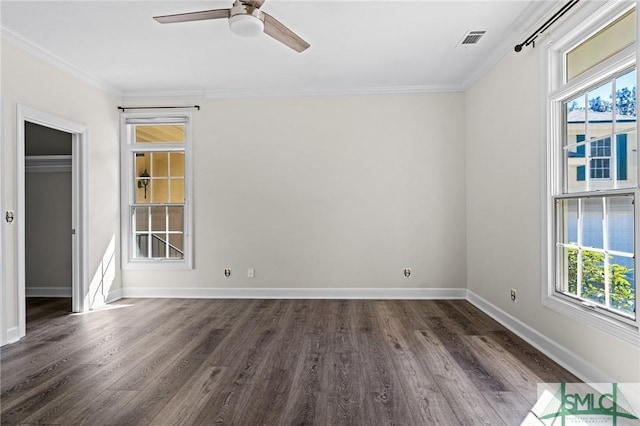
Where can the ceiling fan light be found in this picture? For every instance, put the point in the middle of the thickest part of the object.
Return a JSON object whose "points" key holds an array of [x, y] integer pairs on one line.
{"points": [[246, 25]]}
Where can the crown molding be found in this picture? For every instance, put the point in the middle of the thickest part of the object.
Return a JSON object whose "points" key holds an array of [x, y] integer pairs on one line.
{"points": [[10, 36], [283, 92]]}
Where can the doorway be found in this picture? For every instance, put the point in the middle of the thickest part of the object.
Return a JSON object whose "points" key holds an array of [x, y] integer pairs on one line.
{"points": [[76, 163], [48, 219]]}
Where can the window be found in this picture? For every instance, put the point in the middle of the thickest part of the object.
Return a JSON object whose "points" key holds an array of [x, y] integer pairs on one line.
{"points": [[155, 183], [592, 181]]}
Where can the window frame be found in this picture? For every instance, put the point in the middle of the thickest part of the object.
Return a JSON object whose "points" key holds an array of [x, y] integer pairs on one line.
{"points": [[556, 90], [127, 175]]}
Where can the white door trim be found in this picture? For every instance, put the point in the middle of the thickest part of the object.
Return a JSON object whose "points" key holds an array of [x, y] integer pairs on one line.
{"points": [[3, 268], [79, 133]]}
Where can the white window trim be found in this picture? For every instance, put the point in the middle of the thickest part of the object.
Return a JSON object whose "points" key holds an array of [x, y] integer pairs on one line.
{"points": [[126, 192], [566, 36]]}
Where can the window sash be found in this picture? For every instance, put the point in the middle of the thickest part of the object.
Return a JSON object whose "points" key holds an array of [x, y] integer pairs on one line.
{"points": [[587, 142], [158, 236], [563, 249]]}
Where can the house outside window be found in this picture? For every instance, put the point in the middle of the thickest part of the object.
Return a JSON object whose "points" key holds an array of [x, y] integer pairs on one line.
{"points": [[592, 179], [156, 216]]}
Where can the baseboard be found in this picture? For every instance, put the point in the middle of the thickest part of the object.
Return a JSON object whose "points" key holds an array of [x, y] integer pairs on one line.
{"points": [[567, 359], [48, 291], [13, 335], [296, 293]]}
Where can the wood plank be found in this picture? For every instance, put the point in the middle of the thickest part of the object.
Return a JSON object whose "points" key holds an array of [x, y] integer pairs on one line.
{"points": [[189, 401], [545, 368], [454, 384], [427, 404], [104, 406]]}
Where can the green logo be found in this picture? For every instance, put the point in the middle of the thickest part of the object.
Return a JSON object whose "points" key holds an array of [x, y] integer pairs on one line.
{"points": [[581, 403]]}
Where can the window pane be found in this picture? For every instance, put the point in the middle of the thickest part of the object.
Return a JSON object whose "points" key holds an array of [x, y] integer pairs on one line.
{"points": [[142, 191], [160, 167], [177, 191], [141, 218], [576, 164], [176, 246], [160, 190], [158, 219], [176, 218], [592, 217], [177, 164], [142, 162], [627, 159], [622, 285], [142, 246], [576, 113], [626, 101], [599, 111], [158, 245], [159, 133], [620, 227], [141, 178], [593, 277], [568, 267], [568, 225], [602, 45]]}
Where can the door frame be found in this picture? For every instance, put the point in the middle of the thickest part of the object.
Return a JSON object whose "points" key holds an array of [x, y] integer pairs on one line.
{"points": [[3, 266], [79, 209]]}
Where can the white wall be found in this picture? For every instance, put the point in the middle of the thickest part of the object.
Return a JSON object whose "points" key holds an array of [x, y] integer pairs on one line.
{"points": [[504, 191], [336, 191], [28, 80]]}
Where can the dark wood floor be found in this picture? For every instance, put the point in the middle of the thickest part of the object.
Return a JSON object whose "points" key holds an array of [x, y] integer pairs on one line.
{"points": [[269, 362]]}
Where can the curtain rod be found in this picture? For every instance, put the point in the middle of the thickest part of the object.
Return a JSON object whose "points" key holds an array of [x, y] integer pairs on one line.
{"points": [[559, 14], [121, 108]]}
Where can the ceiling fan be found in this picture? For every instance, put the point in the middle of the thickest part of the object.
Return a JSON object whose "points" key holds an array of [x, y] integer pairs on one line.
{"points": [[245, 19]]}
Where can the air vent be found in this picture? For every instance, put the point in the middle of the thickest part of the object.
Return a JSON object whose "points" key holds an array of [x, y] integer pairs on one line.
{"points": [[471, 38]]}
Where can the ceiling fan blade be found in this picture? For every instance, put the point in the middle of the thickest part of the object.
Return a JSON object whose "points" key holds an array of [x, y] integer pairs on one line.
{"points": [[253, 3], [273, 28], [194, 16]]}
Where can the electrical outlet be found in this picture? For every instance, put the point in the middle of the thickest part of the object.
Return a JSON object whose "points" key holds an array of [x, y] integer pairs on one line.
{"points": [[227, 272], [251, 273], [513, 295]]}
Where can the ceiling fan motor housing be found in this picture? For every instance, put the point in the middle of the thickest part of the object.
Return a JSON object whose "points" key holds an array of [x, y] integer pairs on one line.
{"points": [[246, 21]]}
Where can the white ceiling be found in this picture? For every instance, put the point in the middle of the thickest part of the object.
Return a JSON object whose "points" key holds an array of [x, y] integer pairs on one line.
{"points": [[356, 46]]}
